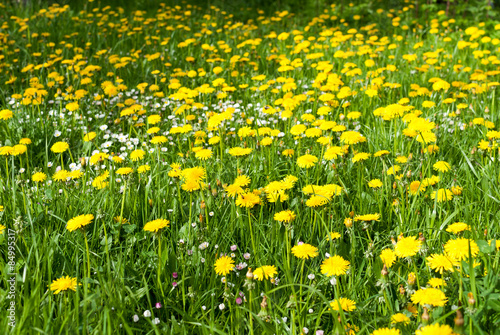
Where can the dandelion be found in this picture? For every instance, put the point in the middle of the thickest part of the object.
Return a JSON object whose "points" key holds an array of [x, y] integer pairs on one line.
{"points": [[386, 331], [407, 247], [429, 296], [79, 222], [59, 147], [124, 171], [441, 166], [285, 216], [265, 272], [224, 265], [307, 161], [458, 249], [63, 284], [305, 251], [39, 177], [247, 200], [347, 305], [435, 329], [334, 266], [156, 225]]}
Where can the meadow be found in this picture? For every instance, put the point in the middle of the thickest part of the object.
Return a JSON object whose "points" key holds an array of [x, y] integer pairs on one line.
{"points": [[183, 168]]}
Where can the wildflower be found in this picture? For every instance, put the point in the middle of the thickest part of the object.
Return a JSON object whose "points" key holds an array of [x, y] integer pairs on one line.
{"points": [[137, 155], [224, 265], [441, 166], [388, 257], [307, 161], [79, 221], [204, 154], [441, 263], [347, 305], [400, 318], [39, 177], [143, 168], [386, 331], [435, 329], [429, 296], [89, 137], [459, 248], [63, 284], [156, 225], [367, 217], [285, 216], [124, 171], [265, 272], [305, 251], [375, 183], [59, 147], [5, 114], [457, 227], [247, 200], [334, 266], [407, 246], [352, 137]]}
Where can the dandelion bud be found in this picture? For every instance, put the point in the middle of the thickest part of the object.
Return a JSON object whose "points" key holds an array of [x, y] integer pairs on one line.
{"points": [[486, 110], [402, 290], [394, 185], [214, 192], [249, 274], [150, 201], [411, 278], [459, 319], [393, 241], [202, 204], [83, 162], [471, 300], [384, 271], [351, 213], [421, 237], [425, 315], [408, 174], [485, 232], [218, 183], [348, 222], [201, 218], [263, 304]]}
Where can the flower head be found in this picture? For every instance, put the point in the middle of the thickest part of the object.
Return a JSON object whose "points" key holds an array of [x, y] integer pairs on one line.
{"points": [[407, 246], [224, 265], [347, 305], [305, 251], [265, 272], [63, 284], [79, 221], [59, 147], [156, 225], [334, 266], [429, 296]]}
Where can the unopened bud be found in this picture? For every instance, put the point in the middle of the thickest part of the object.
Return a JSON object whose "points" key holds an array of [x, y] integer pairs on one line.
{"points": [[471, 300], [402, 290], [425, 315], [150, 201], [459, 319], [202, 204], [249, 274], [384, 271], [411, 278], [263, 304], [201, 218], [421, 237]]}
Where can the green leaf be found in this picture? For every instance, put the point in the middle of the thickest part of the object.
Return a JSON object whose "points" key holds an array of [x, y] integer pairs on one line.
{"points": [[484, 247]]}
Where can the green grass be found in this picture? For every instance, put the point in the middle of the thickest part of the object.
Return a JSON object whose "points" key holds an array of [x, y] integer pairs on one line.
{"points": [[99, 56]]}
